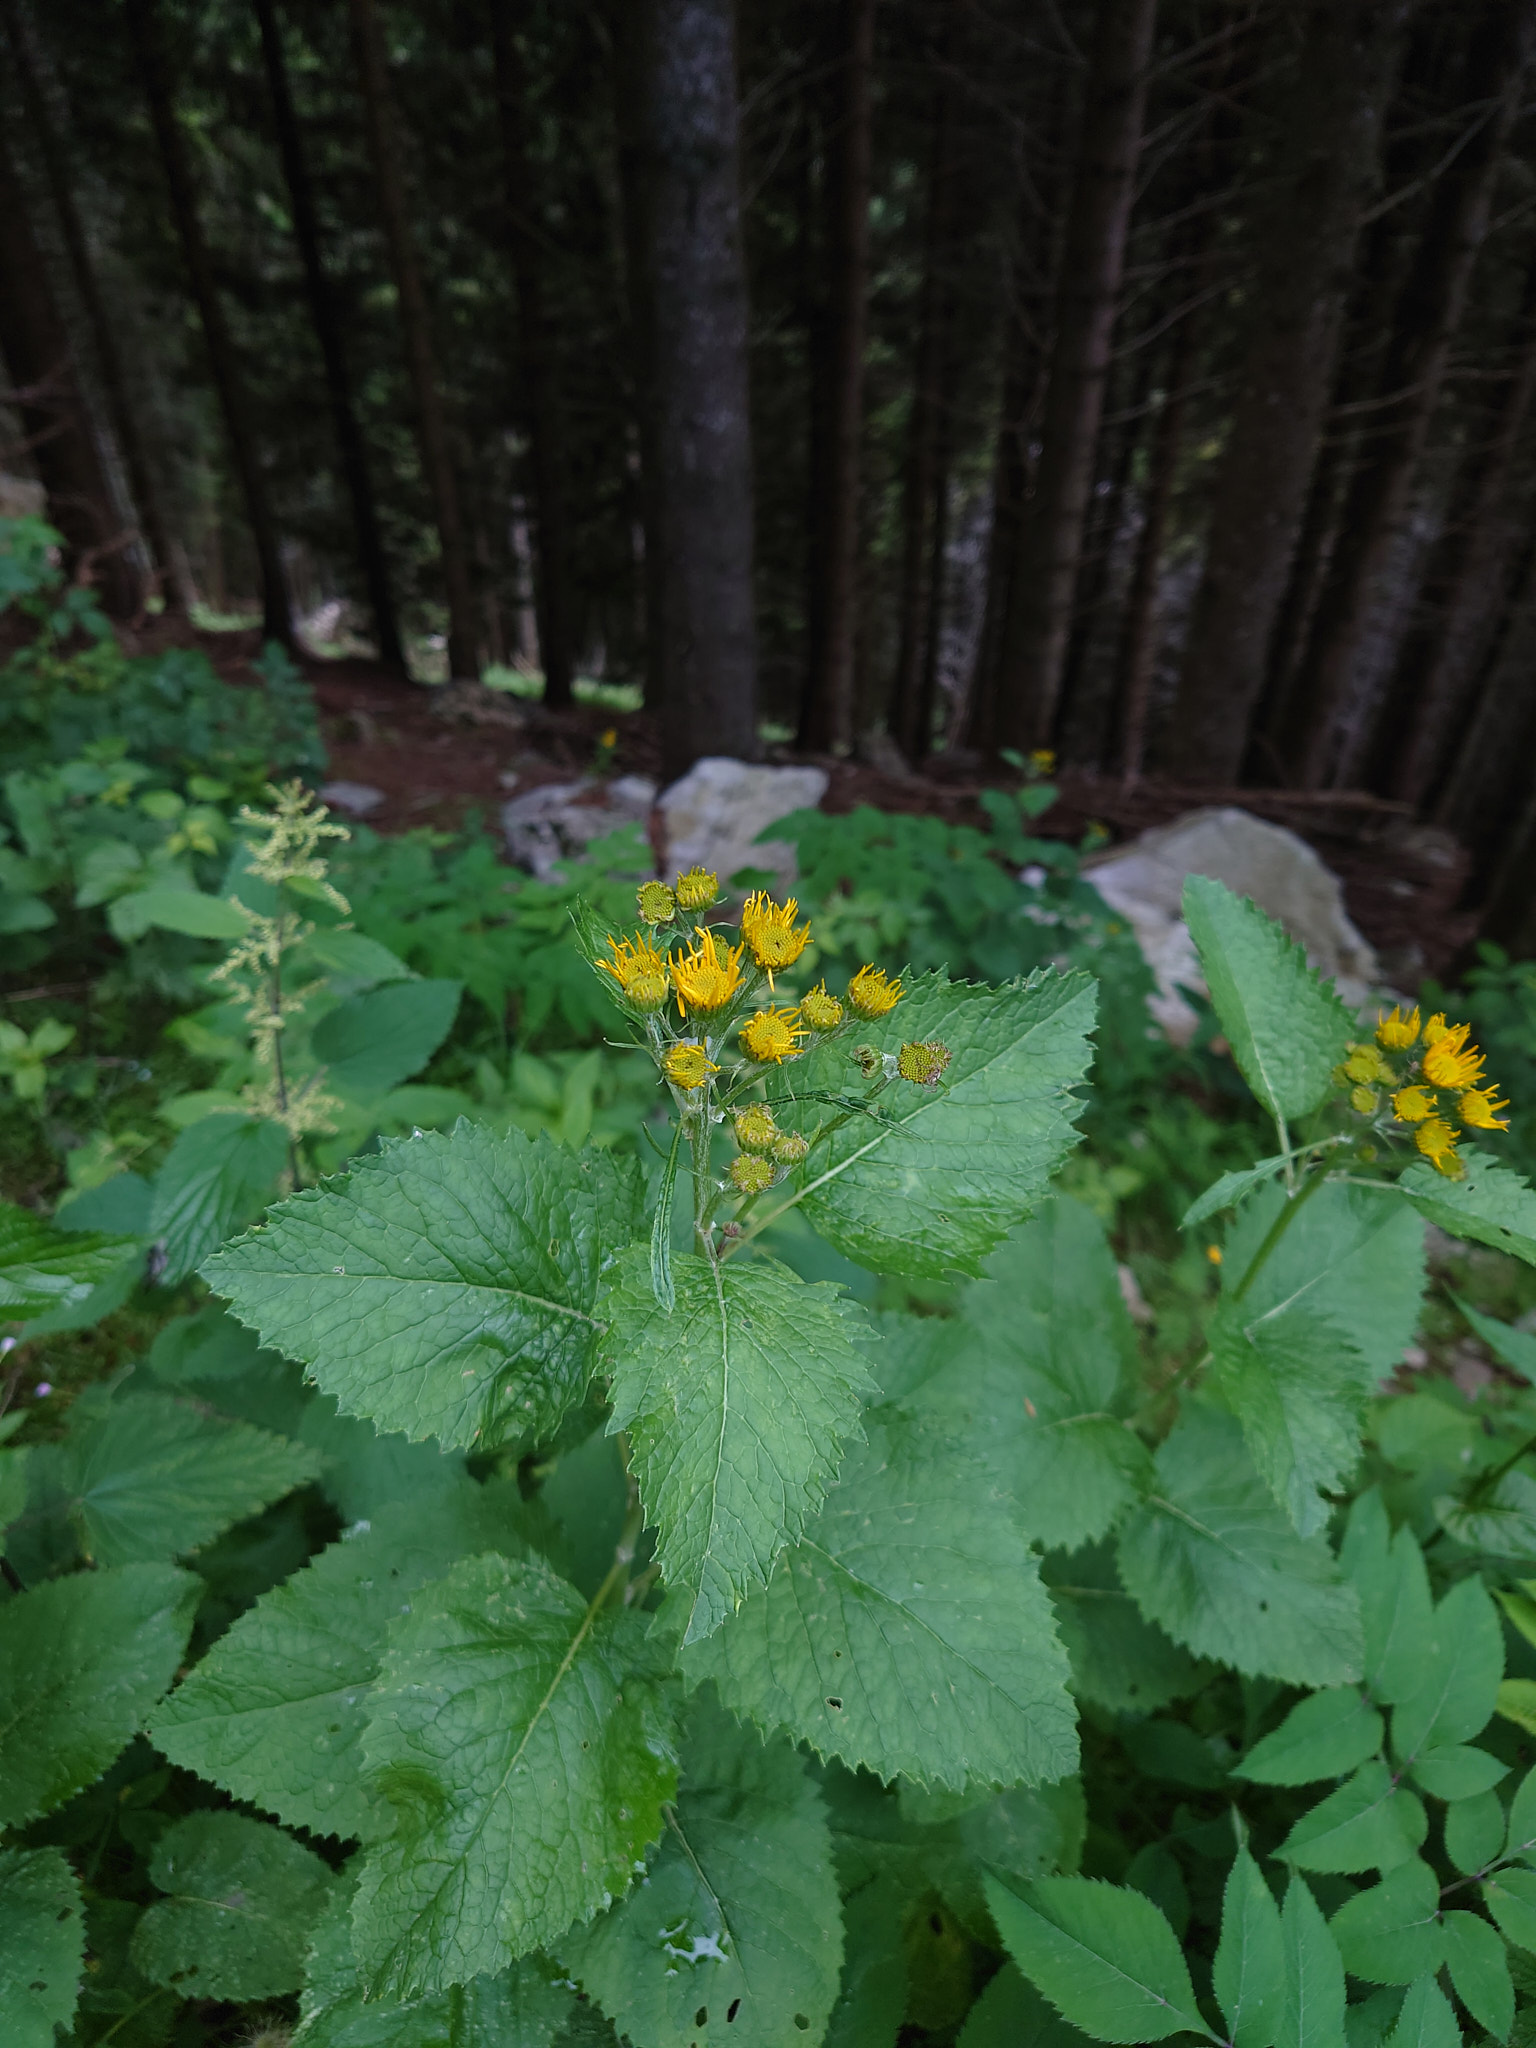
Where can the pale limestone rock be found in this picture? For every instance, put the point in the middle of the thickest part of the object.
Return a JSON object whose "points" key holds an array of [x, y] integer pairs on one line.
{"points": [[714, 813], [559, 820]]}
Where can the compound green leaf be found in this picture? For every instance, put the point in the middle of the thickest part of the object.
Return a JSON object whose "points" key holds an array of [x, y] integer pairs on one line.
{"points": [[1517, 1703], [1323, 1736], [1312, 2010], [242, 1899], [1293, 1382], [908, 1632], [1517, 1348], [1248, 1974], [736, 1935], [1213, 1561], [738, 1403], [1426, 2020], [447, 1287], [275, 1712], [1459, 1675], [1479, 1971], [1104, 1956], [1011, 2011], [1287, 1028], [1511, 1899], [1490, 1206], [930, 1187], [1390, 1934], [525, 1743], [1366, 1824], [221, 1171], [42, 1945], [43, 1268], [1396, 1607], [370, 1043], [1474, 1831], [82, 1660], [1457, 1771], [1521, 1837]]}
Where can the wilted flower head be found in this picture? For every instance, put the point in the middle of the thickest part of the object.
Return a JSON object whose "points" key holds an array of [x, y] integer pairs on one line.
{"points": [[923, 1061], [750, 1175]]}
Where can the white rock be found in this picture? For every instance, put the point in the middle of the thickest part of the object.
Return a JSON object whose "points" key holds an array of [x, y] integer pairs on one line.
{"points": [[1144, 882], [559, 820], [714, 813], [357, 799]]}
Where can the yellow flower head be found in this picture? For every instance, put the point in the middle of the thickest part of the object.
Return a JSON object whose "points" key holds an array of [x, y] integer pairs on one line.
{"points": [[1398, 1032], [755, 1128], [1363, 1099], [769, 930], [923, 1061], [609, 738], [1480, 1108], [1437, 1141], [1413, 1105], [639, 970], [820, 1011], [1042, 760], [870, 994], [789, 1148], [772, 1035], [750, 1175], [697, 889], [1450, 1062], [705, 976], [1366, 1064], [1213, 1253], [656, 901], [1436, 1028], [688, 1066]]}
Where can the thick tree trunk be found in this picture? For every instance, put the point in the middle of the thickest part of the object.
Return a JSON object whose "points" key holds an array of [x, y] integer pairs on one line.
{"points": [[698, 295], [1039, 617], [1326, 735], [149, 54], [416, 334], [544, 417], [163, 560], [1305, 244], [827, 718], [325, 317]]}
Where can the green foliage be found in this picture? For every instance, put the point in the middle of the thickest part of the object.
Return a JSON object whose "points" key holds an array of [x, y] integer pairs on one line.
{"points": [[42, 1940]]}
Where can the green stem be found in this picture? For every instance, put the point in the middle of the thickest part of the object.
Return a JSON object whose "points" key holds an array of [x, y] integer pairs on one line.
{"points": [[1485, 1486], [1276, 1231]]}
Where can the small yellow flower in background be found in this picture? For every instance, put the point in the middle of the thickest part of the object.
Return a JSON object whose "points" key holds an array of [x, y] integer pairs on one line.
{"points": [[1363, 1099], [1480, 1108], [639, 970], [1451, 1063], [789, 1148], [1366, 1064], [1213, 1253], [610, 738], [1042, 760], [1437, 1141], [656, 901], [872, 994], [771, 1036], [688, 1066], [1398, 1032], [697, 889], [1412, 1105], [820, 1011], [756, 1129], [923, 1061], [769, 930], [705, 976], [751, 1175]]}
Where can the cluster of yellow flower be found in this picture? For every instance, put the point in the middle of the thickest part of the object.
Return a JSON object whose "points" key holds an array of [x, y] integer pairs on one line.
{"points": [[1440, 1064]]}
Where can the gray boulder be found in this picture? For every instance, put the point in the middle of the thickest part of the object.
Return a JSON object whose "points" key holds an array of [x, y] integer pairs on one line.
{"points": [[713, 814], [559, 820]]}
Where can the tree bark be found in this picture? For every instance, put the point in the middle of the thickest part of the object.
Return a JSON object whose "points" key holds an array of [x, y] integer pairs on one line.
{"points": [[543, 413], [325, 317], [698, 303], [1491, 773], [1305, 242], [416, 334], [1329, 728], [149, 54], [827, 717], [1039, 617]]}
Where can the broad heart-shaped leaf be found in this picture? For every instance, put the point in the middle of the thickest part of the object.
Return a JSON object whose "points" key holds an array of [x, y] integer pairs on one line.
{"points": [[370, 1043], [1287, 1028], [908, 1632], [1312, 2010], [1322, 1736], [42, 1945], [220, 1173], [1390, 1934], [275, 1712], [1479, 1969], [243, 1897], [1294, 1382], [82, 1660], [447, 1287], [738, 1403], [736, 1935], [1212, 1560], [1458, 1678], [42, 1268], [1248, 1974], [930, 1187], [1104, 1956], [525, 1742], [1490, 1206]]}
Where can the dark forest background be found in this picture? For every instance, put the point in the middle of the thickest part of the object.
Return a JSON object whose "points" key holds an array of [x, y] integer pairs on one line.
{"points": [[1151, 383]]}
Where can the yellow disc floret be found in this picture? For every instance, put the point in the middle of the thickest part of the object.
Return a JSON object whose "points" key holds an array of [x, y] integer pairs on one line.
{"points": [[1398, 1032], [657, 903], [1437, 1141], [705, 975], [1480, 1108], [771, 1036], [1451, 1063], [639, 970], [769, 930], [688, 1066], [755, 1128], [751, 1175], [819, 1011], [697, 889], [923, 1061], [871, 994], [1413, 1105]]}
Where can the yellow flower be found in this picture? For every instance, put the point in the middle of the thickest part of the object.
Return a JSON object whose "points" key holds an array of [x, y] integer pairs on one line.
{"points": [[1412, 1105], [610, 738], [870, 994], [1437, 1141], [1436, 1028], [769, 930], [923, 1061], [688, 1066], [705, 978], [1480, 1107], [1363, 1099], [1213, 1253], [1042, 760], [656, 901], [1366, 1064], [1397, 1031], [1450, 1062], [639, 970], [771, 1035], [697, 889], [751, 1175], [755, 1128], [819, 1010]]}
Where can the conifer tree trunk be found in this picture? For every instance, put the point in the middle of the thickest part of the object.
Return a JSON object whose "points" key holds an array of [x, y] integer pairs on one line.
{"points": [[416, 334], [325, 317], [144, 29], [1039, 617], [1491, 768]]}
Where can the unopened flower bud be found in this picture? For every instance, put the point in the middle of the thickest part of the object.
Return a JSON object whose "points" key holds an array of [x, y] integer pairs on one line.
{"points": [[755, 1129], [1363, 1099], [789, 1148], [750, 1175], [697, 889]]}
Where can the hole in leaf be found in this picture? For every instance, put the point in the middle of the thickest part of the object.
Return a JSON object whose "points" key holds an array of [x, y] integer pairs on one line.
{"points": [[802, 2023], [38, 1985], [935, 1923], [835, 1703], [701, 2017], [732, 2009]]}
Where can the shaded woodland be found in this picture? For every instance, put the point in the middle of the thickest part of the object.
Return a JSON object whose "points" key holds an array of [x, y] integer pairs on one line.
{"points": [[950, 378]]}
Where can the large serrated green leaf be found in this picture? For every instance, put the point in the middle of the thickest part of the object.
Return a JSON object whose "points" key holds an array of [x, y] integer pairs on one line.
{"points": [[275, 1712], [946, 1172], [1287, 1028], [220, 1173], [1213, 1561], [909, 1631], [42, 1945], [1248, 1974], [370, 1043], [1104, 1956], [1294, 1382], [82, 1660], [1490, 1206], [43, 1268], [448, 1286], [738, 1403], [1312, 2010], [525, 1743], [1119, 1659], [736, 1935]]}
